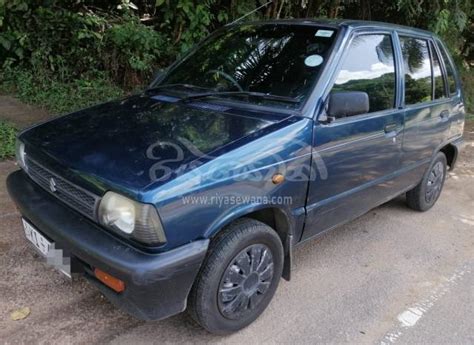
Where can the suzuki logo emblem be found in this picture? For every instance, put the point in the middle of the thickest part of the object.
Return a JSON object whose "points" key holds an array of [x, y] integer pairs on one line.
{"points": [[52, 185]]}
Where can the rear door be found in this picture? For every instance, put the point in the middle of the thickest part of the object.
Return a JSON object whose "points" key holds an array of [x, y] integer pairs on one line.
{"points": [[356, 158], [428, 107], [455, 102]]}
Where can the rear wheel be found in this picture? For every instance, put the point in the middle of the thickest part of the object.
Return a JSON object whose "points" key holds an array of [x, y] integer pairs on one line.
{"points": [[427, 192], [238, 278]]}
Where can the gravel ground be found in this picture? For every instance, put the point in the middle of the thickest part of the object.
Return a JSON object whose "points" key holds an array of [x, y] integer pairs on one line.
{"points": [[391, 276]]}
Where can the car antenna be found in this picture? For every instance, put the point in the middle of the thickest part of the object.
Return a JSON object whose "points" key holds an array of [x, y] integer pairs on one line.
{"points": [[249, 13]]}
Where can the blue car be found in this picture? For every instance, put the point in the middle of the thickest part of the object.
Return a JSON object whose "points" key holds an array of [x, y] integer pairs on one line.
{"points": [[194, 193]]}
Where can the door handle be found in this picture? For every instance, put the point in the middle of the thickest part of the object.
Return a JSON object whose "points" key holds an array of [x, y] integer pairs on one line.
{"points": [[444, 114], [390, 127]]}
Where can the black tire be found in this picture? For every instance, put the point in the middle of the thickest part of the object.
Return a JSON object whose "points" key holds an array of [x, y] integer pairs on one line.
{"points": [[426, 193], [245, 259]]}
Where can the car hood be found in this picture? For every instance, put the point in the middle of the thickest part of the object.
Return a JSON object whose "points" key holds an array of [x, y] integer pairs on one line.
{"points": [[123, 144]]}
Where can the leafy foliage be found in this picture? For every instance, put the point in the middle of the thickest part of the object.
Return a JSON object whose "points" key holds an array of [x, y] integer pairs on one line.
{"points": [[126, 40], [65, 42], [7, 140], [131, 51]]}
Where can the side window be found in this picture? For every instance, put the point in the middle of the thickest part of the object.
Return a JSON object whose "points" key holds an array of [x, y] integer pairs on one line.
{"points": [[416, 60], [449, 70], [369, 67], [439, 91]]}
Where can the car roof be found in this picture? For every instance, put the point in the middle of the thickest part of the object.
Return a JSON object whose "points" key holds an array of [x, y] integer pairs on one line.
{"points": [[343, 23]]}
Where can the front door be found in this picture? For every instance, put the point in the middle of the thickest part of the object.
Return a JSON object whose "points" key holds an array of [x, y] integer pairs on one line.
{"points": [[356, 159]]}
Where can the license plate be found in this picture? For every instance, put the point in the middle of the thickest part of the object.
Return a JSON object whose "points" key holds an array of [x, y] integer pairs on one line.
{"points": [[54, 257], [38, 240]]}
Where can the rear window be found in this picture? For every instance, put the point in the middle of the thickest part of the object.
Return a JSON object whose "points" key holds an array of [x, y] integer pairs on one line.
{"points": [[416, 59], [449, 70]]}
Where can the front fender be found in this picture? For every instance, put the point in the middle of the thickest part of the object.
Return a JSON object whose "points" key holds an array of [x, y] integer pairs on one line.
{"points": [[190, 206], [244, 210]]}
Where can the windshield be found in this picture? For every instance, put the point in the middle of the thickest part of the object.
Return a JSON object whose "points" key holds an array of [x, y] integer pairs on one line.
{"points": [[273, 59]]}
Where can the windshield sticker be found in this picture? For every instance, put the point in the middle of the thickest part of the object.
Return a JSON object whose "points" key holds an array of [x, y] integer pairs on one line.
{"points": [[313, 60], [324, 33]]}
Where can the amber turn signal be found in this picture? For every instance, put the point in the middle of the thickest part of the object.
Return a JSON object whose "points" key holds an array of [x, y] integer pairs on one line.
{"points": [[278, 178], [115, 284]]}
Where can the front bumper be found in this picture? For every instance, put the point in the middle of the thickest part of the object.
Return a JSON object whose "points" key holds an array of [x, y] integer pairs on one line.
{"points": [[156, 285]]}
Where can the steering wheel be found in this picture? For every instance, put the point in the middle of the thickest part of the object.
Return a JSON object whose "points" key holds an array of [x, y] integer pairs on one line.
{"points": [[226, 77]]}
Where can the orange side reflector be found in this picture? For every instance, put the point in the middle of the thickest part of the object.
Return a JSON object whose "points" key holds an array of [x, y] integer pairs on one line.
{"points": [[278, 178], [112, 282]]}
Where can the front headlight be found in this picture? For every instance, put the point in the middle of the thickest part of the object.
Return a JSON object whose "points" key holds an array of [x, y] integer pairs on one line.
{"points": [[20, 154], [131, 219]]}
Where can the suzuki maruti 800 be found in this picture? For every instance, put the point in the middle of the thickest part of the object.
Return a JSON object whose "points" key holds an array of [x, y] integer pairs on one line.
{"points": [[193, 193]]}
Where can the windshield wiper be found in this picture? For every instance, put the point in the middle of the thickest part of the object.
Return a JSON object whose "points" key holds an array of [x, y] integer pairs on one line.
{"points": [[167, 86], [240, 93]]}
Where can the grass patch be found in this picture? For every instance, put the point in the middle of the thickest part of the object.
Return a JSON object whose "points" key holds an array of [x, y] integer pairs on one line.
{"points": [[57, 96], [7, 140]]}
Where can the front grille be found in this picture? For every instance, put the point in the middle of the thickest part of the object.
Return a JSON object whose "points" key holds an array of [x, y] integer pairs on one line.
{"points": [[79, 199]]}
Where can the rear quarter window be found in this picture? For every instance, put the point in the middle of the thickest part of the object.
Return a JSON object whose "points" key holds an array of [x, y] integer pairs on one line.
{"points": [[439, 85], [449, 69]]}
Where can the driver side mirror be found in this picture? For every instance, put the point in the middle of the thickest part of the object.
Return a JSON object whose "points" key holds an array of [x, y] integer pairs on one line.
{"points": [[347, 103]]}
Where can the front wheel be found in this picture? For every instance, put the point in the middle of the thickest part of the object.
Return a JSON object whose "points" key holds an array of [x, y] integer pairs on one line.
{"points": [[425, 194], [238, 278]]}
